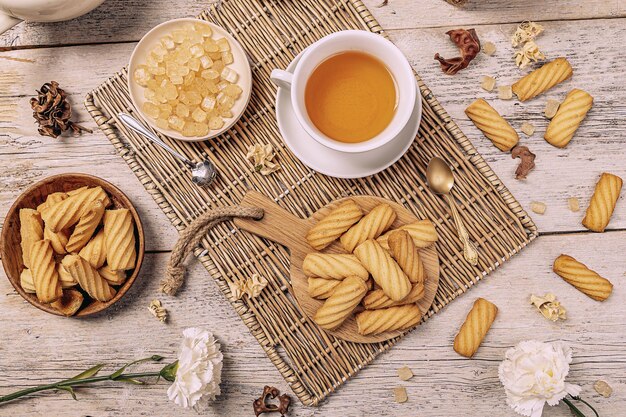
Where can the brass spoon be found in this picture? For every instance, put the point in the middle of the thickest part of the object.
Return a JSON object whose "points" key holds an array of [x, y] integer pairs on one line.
{"points": [[441, 180]]}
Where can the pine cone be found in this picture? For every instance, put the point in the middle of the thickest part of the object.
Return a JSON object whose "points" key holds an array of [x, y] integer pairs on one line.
{"points": [[52, 111]]}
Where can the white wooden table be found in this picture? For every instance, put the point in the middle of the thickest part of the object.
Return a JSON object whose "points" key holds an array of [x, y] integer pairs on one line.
{"points": [[38, 348]]}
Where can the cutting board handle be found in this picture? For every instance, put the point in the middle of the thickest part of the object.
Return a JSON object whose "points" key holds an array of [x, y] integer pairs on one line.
{"points": [[277, 224]]}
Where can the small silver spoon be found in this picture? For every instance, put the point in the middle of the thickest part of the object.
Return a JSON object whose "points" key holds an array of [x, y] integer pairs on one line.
{"points": [[202, 173], [441, 180]]}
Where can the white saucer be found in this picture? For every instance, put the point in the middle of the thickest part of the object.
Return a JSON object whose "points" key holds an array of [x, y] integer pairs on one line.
{"points": [[340, 164]]}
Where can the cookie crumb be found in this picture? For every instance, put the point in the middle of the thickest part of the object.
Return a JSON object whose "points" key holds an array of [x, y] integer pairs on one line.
{"points": [[488, 83], [505, 92], [400, 394], [551, 108], [573, 204], [405, 373], [538, 207], [528, 129], [603, 388]]}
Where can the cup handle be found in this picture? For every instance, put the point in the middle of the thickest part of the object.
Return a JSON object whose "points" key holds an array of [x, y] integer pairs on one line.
{"points": [[281, 78], [7, 22]]}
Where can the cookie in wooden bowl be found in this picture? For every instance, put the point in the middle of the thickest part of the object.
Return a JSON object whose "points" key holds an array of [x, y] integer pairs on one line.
{"points": [[72, 245]]}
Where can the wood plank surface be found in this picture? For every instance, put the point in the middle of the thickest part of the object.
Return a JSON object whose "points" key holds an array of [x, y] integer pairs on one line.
{"points": [[445, 384], [128, 20]]}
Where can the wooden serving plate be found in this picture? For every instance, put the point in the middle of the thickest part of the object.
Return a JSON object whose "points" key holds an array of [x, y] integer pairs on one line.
{"points": [[284, 228], [11, 250]]}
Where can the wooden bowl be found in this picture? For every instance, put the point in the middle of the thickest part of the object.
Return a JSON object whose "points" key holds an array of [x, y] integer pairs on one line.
{"points": [[11, 251]]}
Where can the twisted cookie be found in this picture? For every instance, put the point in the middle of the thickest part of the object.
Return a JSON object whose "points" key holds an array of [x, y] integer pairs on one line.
{"points": [[603, 202], [67, 212], [45, 275], [369, 227], [388, 319], [86, 226], [404, 251], [95, 251], [542, 79], [570, 115], [333, 266], [583, 278], [31, 230], [336, 223], [346, 296], [119, 237], [88, 278], [385, 271], [475, 327], [377, 299], [422, 232], [322, 288], [494, 126]]}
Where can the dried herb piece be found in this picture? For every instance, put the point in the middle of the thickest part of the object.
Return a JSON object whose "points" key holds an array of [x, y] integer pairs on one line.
{"points": [[549, 307], [527, 161], [52, 111], [157, 310], [261, 406], [469, 46]]}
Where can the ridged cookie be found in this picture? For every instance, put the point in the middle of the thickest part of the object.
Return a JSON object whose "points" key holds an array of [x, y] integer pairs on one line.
{"points": [[69, 303], [65, 278], [369, 227], [385, 271], [494, 126], [404, 251], [119, 237], [333, 266], [45, 275], [542, 79], [388, 319], [52, 199], [377, 299], [570, 115], [111, 276], [603, 202], [88, 278], [95, 250], [31, 230], [476, 325], [422, 232], [26, 281], [58, 240], [584, 279], [67, 212], [336, 309], [322, 288], [86, 226], [336, 223]]}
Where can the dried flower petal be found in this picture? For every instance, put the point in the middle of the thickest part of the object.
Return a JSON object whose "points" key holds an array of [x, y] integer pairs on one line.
{"points": [[505, 92], [405, 373], [469, 46], [526, 31], [603, 388], [527, 161], [237, 289], [538, 207], [549, 307], [399, 394], [488, 83], [158, 311], [529, 53], [489, 48], [573, 204], [261, 157], [551, 108], [254, 285], [52, 111]]}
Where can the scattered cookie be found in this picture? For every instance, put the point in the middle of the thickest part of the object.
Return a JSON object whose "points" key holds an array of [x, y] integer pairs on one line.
{"points": [[405, 373], [552, 106], [528, 129], [489, 48], [573, 204], [505, 92], [603, 388], [488, 83], [400, 394], [538, 207]]}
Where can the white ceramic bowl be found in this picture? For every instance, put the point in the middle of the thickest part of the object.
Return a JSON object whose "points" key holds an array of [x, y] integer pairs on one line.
{"points": [[240, 64]]}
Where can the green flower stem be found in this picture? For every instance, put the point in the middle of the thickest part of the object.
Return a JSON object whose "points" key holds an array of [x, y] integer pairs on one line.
{"points": [[74, 383], [575, 409]]}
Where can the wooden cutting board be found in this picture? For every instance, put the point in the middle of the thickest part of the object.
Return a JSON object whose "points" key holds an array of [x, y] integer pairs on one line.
{"points": [[284, 228]]}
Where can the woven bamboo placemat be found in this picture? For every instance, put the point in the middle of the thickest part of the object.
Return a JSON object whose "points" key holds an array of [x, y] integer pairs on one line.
{"points": [[273, 33]]}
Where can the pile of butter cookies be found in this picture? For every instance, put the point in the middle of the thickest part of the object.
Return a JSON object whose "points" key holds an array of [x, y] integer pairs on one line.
{"points": [[75, 249], [379, 278]]}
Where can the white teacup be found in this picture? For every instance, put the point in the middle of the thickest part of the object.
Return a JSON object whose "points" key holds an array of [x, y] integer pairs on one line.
{"points": [[351, 40]]}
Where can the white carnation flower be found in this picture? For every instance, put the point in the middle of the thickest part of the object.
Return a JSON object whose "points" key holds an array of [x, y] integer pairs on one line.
{"points": [[533, 373], [199, 369]]}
